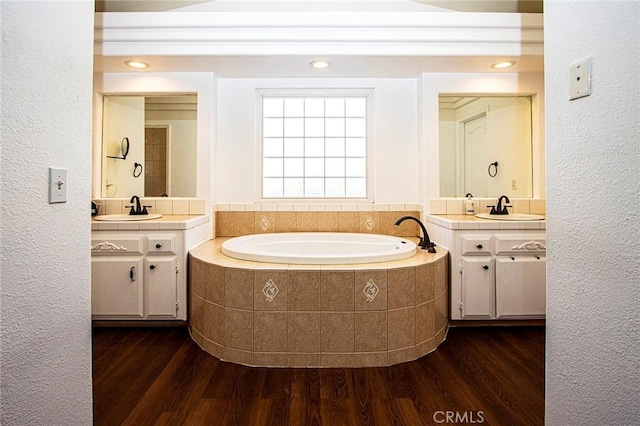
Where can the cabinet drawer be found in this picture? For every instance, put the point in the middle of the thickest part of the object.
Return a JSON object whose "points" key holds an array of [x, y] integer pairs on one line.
{"points": [[477, 245], [162, 244], [117, 244], [536, 244]]}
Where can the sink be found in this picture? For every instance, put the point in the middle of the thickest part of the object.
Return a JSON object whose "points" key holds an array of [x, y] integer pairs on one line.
{"points": [[127, 217], [510, 216]]}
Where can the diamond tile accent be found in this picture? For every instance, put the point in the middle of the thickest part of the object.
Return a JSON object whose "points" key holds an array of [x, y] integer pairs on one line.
{"points": [[270, 290], [369, 224], [264, 223], [370, 290]]}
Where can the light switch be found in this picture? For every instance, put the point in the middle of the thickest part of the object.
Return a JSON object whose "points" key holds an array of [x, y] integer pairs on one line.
{"points": [[580, 79], [57, 185]]}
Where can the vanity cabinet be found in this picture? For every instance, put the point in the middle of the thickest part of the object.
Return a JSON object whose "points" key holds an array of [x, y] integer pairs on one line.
{"points": [[498, 274], [138, 275]]}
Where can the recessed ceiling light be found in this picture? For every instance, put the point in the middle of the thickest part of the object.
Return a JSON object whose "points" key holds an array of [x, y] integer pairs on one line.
{"points": [[501, 65], [137, 64], [319, 64]]}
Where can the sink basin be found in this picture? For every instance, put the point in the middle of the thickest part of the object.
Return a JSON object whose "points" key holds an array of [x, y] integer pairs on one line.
{"points": [[510, 216], [127, 217]]}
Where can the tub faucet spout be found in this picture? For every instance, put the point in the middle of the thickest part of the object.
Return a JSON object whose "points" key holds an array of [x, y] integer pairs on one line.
{"points": [[425, 242]]}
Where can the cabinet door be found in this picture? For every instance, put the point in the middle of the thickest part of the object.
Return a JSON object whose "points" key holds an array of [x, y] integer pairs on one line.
{"points": [[116, 287], [477, 287], [520, 286], [161, 279]]}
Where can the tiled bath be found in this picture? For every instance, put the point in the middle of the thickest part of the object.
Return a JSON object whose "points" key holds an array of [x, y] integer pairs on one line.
{"points": [[281, 315]]}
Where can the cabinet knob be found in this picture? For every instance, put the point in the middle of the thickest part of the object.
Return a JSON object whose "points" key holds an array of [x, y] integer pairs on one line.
{"points": [[158, 245], [479, 246], [152, 266], [485, 267]]}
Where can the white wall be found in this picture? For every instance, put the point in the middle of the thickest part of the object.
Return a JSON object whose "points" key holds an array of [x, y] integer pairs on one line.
{"points": [[45, 330], [431, 85], [593, 220], [395, 135]]}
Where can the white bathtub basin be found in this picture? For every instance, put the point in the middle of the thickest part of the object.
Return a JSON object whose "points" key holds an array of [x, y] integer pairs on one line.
{"points": [[127, 217], [318, 248], [510, 216]]}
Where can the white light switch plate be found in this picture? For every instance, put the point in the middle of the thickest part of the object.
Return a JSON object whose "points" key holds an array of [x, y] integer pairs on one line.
{"points": [[57, 185], [580, 79]]}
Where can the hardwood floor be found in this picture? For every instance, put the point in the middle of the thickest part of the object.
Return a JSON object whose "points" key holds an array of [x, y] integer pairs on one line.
{"points": [[158, 376]]}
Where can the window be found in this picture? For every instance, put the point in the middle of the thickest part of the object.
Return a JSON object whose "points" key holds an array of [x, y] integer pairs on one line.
{"points": [[314, 147]]}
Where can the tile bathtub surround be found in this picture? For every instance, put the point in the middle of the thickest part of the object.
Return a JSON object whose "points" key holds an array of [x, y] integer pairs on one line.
{"points": [[296, 316], [235, 223]]}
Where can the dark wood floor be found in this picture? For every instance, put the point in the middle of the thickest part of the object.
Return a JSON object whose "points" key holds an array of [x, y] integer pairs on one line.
{"points": [[158, 376]]}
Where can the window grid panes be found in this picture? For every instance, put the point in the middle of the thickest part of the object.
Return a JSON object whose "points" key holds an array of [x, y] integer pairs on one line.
{"points": [[314, 147]]}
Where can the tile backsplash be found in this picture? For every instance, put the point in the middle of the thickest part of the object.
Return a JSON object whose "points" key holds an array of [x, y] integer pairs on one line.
{"points": [[162, 205], [456, 205]]}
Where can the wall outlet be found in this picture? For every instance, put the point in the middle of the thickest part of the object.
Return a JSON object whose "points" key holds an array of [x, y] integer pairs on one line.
{"points": [[57, 185], [580, 79]]}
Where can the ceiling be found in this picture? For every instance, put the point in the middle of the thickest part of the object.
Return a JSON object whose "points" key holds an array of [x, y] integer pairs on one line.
{"points": [[498, 6]]}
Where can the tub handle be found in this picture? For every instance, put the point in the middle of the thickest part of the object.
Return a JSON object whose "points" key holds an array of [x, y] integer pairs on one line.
{"points": [[485, 267]]}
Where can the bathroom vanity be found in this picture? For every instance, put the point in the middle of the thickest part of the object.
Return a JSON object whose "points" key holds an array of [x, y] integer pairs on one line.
{"points": [[498, 268], [139, 269]]}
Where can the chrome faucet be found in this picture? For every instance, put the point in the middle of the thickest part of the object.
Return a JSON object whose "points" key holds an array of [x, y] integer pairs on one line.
{"points": [[137, 209], [500, 209], [424, 242]]}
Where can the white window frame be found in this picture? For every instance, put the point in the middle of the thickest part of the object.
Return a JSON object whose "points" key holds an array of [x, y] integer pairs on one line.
{"points": [[368, 93]]}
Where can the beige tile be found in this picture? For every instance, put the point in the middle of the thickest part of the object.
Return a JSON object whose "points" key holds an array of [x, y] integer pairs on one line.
{"points": [[441, 275], [303, 332], [303, 291], [336, 360], [337, 332], [370, 331], [214, 287], [196, 276], [401, 328], [269, 331], [371, 359], [328, 221], [265, 222], [425, 347], [270, 290], [303, 360], [408, 228], [269, 359], [337, 290], [401, 287], [519, 205], [307, 221], [425, 282], [348, 221], [537, 206], [224, 224], [238, 288], [238, 329], [402, 355], [370, 290], [441, 311], [239, 356], [286, 222], [214, 324], [425, 328], [197, 337], [214, 349], [243, 223], [369, 222], [197, 206], [196, 313]]}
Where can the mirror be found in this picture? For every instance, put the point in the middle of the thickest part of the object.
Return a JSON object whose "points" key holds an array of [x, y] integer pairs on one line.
{"points": [[149, 145], [485, 146]]}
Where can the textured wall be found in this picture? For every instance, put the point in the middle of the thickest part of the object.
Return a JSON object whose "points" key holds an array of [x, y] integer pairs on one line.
{"points": [[45, 273], [593, 302]]}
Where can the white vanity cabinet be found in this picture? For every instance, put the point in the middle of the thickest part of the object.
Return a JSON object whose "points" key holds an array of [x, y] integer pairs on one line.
{"points": [[498, 274], [138, 275]]}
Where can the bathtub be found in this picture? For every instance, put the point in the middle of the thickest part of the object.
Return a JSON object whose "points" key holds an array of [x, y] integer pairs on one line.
{"points": [[319, 248]]}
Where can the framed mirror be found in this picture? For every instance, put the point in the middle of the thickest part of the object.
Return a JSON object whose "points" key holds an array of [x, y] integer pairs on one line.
{"points": [[161, 141], [485, 146]]}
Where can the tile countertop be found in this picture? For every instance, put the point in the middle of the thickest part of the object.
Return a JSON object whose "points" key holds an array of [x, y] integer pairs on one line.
{"points": [[166, 222], [460, 221]]}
